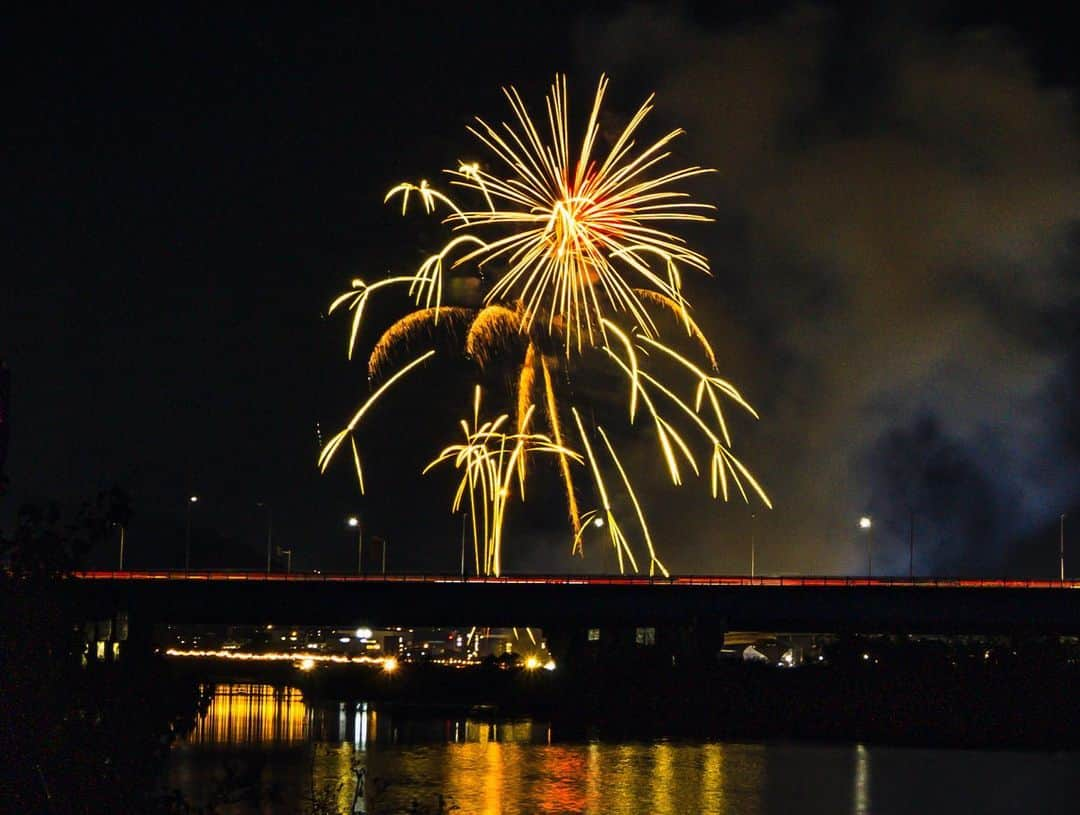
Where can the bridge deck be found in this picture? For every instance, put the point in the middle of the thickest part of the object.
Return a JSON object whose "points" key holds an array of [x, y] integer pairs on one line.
{"points": [[789, 603]]}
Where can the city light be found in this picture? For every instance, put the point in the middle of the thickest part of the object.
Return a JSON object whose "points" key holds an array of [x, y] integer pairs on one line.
{"points": [[531, 663], [865, 522], [194, 499], [306, 664], [278, 656], [353, 521], [364, 633]]}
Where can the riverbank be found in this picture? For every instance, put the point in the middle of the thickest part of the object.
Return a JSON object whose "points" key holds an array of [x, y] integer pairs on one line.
{"points": [[1023, 702]]}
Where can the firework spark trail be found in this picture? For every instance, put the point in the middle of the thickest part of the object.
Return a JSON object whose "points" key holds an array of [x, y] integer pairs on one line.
{"points": [[721, 453], [665, 433], [359, 295], [679, 303], [618, 540], [695, 332], [494, 327], [723, 461], [428, 196], [526, 383], [654, 561], [564, 463], [569, 267], [489, 458], [427, 284], [331, 446], [707, 385], [408, 327]]}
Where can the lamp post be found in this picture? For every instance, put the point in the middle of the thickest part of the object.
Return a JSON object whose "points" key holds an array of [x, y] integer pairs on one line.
{"points": [[464, 519], [1061, 546], [191, 501], [122, 531], [288, 559], [911, 544], [867, 525], [753, 543], [269, 531], [353, 522]]}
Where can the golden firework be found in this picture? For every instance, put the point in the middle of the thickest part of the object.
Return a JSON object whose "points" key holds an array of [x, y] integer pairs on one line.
{"points": [[581, 228], [488, 457], [576, 269]]}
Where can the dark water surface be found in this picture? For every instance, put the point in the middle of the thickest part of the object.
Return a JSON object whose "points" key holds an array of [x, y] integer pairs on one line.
{"points": [[285, 749]]}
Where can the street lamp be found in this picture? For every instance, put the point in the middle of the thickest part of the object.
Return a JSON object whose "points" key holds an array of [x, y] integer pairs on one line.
{"points": [[753, 543], [867, 525], [1061, 546], [598, 522], [122, 531], [192, 500], [911, 544], [288, 559], [353, 522], [464, 519]]}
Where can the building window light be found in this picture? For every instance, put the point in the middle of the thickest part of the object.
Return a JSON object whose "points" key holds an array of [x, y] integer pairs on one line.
{"points": [[645, 636]]}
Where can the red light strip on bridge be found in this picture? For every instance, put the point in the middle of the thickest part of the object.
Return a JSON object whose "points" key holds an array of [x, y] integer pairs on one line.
{"points": [[583, 580]]}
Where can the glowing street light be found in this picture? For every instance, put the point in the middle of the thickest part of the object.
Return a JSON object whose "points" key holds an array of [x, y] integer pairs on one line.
{"points": [[193, 499], [353, 522], [867, 525], [598, 522]]}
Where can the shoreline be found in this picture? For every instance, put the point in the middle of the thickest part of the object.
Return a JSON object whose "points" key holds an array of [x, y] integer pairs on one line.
{"points": [[992, 708]]}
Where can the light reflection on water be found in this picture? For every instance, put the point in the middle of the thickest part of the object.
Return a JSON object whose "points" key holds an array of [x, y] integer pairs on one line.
{"points": [[498, 766], [252, 714]]}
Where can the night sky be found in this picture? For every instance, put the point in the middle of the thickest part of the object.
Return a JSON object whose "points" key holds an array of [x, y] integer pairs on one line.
{"points": [[896, 287]]}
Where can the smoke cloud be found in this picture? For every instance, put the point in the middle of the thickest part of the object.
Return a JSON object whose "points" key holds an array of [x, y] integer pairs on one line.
{"points": [[896, 281]]}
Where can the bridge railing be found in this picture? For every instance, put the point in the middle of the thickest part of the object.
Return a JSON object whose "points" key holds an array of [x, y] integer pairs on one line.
{"points": [[219, 575]]}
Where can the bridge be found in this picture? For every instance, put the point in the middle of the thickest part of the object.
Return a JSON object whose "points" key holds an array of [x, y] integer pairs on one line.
{"points": [[570, 602]]}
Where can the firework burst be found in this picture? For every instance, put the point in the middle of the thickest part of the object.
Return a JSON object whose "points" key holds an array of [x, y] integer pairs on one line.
{"points": [[576, 269]]}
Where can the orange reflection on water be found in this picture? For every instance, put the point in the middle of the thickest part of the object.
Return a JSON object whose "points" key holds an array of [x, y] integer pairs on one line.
{"points": [[565, 791], [491, 778], [252, 714], [663, 775], [483, 767]]}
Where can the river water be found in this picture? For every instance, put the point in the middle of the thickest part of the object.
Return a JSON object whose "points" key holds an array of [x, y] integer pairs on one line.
{"points": [[275, 751]]}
